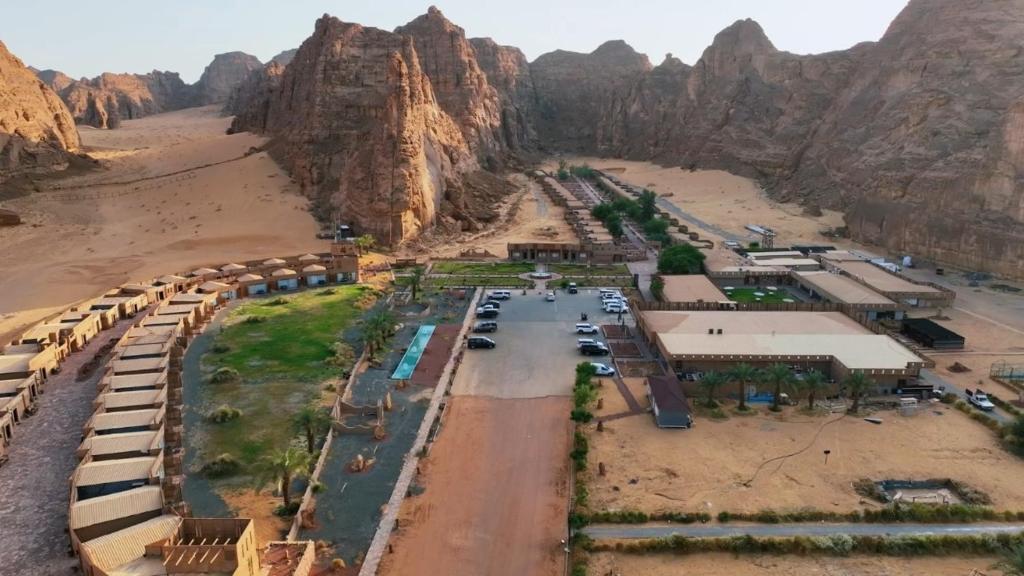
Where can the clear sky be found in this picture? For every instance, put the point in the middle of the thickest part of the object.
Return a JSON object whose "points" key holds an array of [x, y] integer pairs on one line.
{"points": [[87, 38]]}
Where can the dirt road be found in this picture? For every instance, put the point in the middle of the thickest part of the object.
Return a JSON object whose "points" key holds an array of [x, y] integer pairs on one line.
{"points": [[495, 498]]}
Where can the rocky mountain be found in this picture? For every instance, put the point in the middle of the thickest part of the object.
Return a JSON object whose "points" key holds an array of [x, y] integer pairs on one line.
{"points": [[355, 121], [222, 76], [57, 81], [37, 133], [283, 58], [508, 73], [250, 100]]}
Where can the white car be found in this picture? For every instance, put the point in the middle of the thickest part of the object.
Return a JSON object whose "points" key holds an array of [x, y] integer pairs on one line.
{"points": [[616, 307], [605, 296], [580, 342], [603, 369], [550, 297], [585, 328]]}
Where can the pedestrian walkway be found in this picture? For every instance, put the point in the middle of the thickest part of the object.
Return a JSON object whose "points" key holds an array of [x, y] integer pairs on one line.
{"points": [[34, 484], [619, 531]]}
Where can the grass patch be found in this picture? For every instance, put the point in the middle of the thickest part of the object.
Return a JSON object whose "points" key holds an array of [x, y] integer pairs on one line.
{"points": [[482, 268], [746, 295], [592, 270], [459, 281], [600, 282]]}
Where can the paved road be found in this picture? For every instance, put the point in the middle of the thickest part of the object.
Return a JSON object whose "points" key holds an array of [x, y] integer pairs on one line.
{"points": [[618, 531]]}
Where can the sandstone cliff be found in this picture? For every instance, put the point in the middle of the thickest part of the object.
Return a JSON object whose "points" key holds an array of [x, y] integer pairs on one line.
{"points": [[509, 73], [355, 121], [222, 76], [284, 57], [56, 80], [37, 134]]}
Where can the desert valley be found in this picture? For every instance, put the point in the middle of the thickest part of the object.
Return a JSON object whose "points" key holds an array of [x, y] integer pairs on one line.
{"points": [[338, 313]]}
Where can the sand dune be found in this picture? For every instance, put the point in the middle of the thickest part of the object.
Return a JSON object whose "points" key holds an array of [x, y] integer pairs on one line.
{"points": [[83, 235]]}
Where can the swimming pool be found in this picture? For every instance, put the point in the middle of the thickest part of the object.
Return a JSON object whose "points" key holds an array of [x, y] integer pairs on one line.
{"points": [[412, 355]]}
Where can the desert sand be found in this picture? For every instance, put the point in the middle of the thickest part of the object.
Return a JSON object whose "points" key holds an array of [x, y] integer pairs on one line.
{"points": [[85, 234], [706, 468], [501, 512], [612, 564]]}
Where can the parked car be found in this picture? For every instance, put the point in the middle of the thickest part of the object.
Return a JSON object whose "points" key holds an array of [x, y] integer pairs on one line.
{"points": [[580, 342], [500, 295], [493, 304], [605, 296], [480, 342], [486, 313], [616, 307], [485, 326], [603, 369], [586, 328], [980, 400], [594, 349], [602, 291], [550, 297], [488, 306], [573, 289]]}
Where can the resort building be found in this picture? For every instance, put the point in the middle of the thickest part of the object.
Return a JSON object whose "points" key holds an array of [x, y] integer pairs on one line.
{"points": [[285, 279], [668, 403], [840, 289], [314, 275], [894, 286], [219, 289], [252, 285], [690, 288]]}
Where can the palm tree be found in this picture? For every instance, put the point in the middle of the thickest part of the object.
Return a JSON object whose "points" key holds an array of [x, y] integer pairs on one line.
{"points": [[365, 243], [857, 384], [1012, 563], [414, 280], [743, 374], [311, 421], [376, 329], [283, 465], [710, 384], [813, 382], [778, 376]]}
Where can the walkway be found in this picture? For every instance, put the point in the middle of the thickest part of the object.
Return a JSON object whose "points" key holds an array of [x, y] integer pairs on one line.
{"points": [[34, 484], [618, 531]]}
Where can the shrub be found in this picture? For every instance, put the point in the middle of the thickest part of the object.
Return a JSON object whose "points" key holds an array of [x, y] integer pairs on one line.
{"points": [[223, 414], [316, 487], [869, 489], [276, 302], [286, 511], [220, 348], [949, 398], [579, 452], [343, 356], [224, 376], [680, 259], [221, 466], [254, 320]]}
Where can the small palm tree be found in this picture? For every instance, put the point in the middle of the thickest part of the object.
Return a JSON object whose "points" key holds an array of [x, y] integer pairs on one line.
{"points": [[778, 376], [365, 243], [710, 384], [857, 385], [813, 382], [311, 421], [377, 327], [1012, 563], [415, 280], [281, 467], [743, 374]]}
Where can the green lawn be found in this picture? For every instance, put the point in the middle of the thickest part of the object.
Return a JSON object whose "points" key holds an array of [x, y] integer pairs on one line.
{"points": [[280, 360], [745, 295], [593, 270], [446, 281], [602, 282], [482, 268]]}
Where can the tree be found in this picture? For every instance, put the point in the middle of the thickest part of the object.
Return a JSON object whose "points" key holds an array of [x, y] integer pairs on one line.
{"points": [[614, 225], [311, 421], [710, 384], [857, 385], [743, 374], [778, 376], [282, 466], [563, 172], [658, 288], [415, 280], [602, 211], [657, 229], [1012, 563], [377, 328], [365, 243], [812, 383], [680, 259], [648, 205]]}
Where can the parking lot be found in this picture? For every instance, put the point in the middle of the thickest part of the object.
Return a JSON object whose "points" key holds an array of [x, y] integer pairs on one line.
{"points": [[536, 351]]}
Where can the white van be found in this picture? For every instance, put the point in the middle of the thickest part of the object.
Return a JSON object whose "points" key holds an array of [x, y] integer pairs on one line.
{"points": [[501, 294]]}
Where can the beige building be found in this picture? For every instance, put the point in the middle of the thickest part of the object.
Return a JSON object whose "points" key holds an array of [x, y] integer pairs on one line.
{"points": [[690, 288], [896, 287]]}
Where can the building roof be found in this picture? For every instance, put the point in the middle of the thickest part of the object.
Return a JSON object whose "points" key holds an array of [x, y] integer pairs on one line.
{"points": [[133, 350], [667, 395], [146, 338], [170, 279], [8, 387], [751, 322], [774, 255], [232, 267], [204, 271], [123, 443], [15, 363], [211, 286], [42, 331], [882, 280], [840, 256], [132, 399], [139, 365], [161, 320], [283, 272], [789, 262], [691, 288], [309, 258], [110, 471], [152, 379], [113, 506], [273, 262], [842, 289], [126, 419], [175, 309], [119, 548], [250, 278], [190, 299], [314, 268]]}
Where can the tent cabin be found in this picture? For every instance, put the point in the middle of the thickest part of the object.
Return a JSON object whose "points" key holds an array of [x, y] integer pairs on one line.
{"points": [[285, 279], [204, 273], [932, 335], [95, 517], [315, 275], [309, 259], [96, 479], [232, 269], [222, 290], [668, 403], [126, 305], [252, 285], [123, 445], [102, 423]]}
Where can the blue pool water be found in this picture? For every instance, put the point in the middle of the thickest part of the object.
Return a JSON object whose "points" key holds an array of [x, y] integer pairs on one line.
{"points": [[412, 355]]}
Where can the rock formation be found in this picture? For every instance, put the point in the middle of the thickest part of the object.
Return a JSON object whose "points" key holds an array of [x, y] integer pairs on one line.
{"points": [[355, 121], [37, 134], [249, 101], [283, 58], [56, 80], [509, 73], [222, 76]]}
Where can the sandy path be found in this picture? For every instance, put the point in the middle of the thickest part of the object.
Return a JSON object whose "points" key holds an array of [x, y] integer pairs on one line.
{"points": [[79, 242], [500, 512], [728, 565]]}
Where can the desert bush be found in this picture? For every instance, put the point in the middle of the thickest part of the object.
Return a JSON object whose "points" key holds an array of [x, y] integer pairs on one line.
{"points": [[286, 511], [276, 302], [579, 451], [869, 489], [253, 320], [224, 376], [949, 398], [343, 356], [220, 348], [224, 413], [221, 466]]}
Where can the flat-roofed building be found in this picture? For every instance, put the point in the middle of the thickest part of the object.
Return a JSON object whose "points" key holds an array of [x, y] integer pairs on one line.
{"points": [[126, 305], [100, 447], [285, 279], [139, 365], [152, 293], [19, 361], [93, 479], [831, 342], [17, 397], [121, 422], [95, 517], [112, 382], [841, 289], [173, 282], [690, 288], [80, 327], [123, 553], [131, 400], [220, 289], [774, 255], [894, 286], [668, 402]]}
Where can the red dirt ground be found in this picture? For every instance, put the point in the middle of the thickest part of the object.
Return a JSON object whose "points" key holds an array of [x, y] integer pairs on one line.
{"points": [[436, 355], [496, 489], [625, 350], [615, 331]]}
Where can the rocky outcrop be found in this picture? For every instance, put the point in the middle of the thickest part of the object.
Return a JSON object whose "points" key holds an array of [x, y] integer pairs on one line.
{"points": [[460, 86], [37, 133], [283, 58], [104, 101], [250, 100], [222, 76], [56, 80], [508, 72], [355, 121]]}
